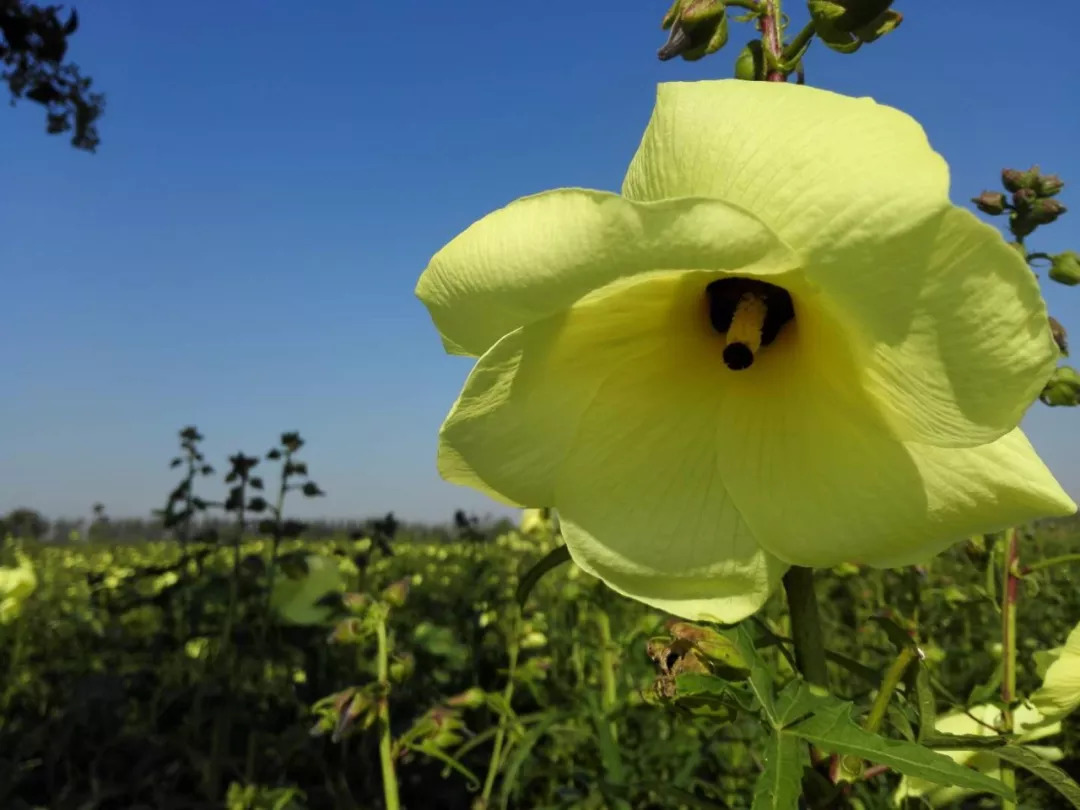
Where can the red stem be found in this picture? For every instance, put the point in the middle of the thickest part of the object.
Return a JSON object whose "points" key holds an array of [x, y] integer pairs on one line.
{"points": [[770, 30]]}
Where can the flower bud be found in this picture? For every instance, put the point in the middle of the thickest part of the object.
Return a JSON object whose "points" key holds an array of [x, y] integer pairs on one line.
{"points": [[395, 593], [698, 28], [1048, 185], [990, 202], [1065, 268], [1063, 389], [348, 631], [1023, 199], [848, 15], [1015, 180], [1045, 210], [401, 667], [750, 64], [356, 603], [1061, 338], [471, 698]]}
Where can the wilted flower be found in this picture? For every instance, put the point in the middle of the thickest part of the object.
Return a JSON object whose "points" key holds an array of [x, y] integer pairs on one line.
{"points": [[781, 344]]}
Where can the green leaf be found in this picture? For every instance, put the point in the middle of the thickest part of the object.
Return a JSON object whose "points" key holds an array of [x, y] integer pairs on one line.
{"points": [[1031, 762], [779, 785], [521, 753], [698, 685], [761, 674], [553, 559], [832, 728]]}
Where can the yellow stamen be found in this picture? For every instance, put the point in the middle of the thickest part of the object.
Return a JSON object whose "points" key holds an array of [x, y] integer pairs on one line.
{"points": [[744, 334]]}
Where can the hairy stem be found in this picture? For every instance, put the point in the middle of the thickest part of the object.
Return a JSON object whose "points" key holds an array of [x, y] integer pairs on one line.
{"points": [[771, 37]]}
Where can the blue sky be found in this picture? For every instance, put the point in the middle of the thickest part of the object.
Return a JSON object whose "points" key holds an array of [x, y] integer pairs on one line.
{"points": [[241, 252]]}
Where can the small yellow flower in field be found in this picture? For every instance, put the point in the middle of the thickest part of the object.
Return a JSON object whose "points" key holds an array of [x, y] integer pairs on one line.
{"points": [[980, 720], [781, 344], [1059, 668], [16, 586]]}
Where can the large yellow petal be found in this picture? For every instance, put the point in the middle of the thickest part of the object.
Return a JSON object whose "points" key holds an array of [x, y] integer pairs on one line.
{"points": [[955, 360], [820, 485], [1059, 694], [817, 167], [946, 318], [540, 254], [607, 413]]}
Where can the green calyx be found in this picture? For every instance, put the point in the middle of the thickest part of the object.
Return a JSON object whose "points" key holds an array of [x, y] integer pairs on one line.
{"points": [[844, 25], [1065, 268], [1063, 389], [750, 64], [698, 28]]}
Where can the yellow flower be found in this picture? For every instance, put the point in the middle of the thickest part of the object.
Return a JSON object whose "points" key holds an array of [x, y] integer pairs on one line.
{"points": [[781, 344], [16, 585], [1059, 668], [982, 720]]}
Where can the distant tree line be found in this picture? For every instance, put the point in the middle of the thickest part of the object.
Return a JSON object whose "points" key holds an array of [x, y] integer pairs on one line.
{"points": [[100, 528]]}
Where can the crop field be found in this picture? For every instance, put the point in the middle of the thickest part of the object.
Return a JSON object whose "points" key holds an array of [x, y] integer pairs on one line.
{"points": [[157, 675]]}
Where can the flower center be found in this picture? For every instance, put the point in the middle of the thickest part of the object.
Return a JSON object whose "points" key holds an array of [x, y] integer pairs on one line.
{"points": [[749, 314]]}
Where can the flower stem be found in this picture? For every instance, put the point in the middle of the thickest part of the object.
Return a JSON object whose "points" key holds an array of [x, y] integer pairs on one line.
{"points": [[806, 625], [508, 694], [1051, 562], [888, 687], [386, 758], [771, 38], [609, 695], [1010, 583]]}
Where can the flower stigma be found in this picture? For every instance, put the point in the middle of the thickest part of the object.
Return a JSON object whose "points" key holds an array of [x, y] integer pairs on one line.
{"points": [[750, 314]]}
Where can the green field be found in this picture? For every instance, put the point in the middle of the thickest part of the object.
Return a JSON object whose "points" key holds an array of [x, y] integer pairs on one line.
{"points": [[138, 676]]}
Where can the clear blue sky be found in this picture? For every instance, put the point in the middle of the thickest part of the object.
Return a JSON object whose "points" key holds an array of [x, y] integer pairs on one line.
{"points": [[241, 252]]}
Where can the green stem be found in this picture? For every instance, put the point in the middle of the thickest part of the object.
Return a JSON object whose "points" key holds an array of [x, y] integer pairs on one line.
{"points": [[386, 759], [609, 694], [1051, 562], [806, 625], [1009, 590], [801, 40], [892, 678], [508, 694]]}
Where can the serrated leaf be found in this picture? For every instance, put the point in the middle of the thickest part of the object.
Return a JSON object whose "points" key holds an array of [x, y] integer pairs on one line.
{"points": [[1031, 762], [698, 685], [832, 729], [779, 786], [761, 675]]}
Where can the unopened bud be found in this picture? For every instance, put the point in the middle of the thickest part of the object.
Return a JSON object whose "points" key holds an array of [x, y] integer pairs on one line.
{"points": [[1048, 185], [1045, 210], [990, 202], [401, 667], [1065, 268], [469, 699], [348, 631], [395, 593], [1015, 180], [750, 64], [1063, 389], [1061, 338], [1023, 199], [356, 602], [698, 28], [848, 15], [888, 21]]}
